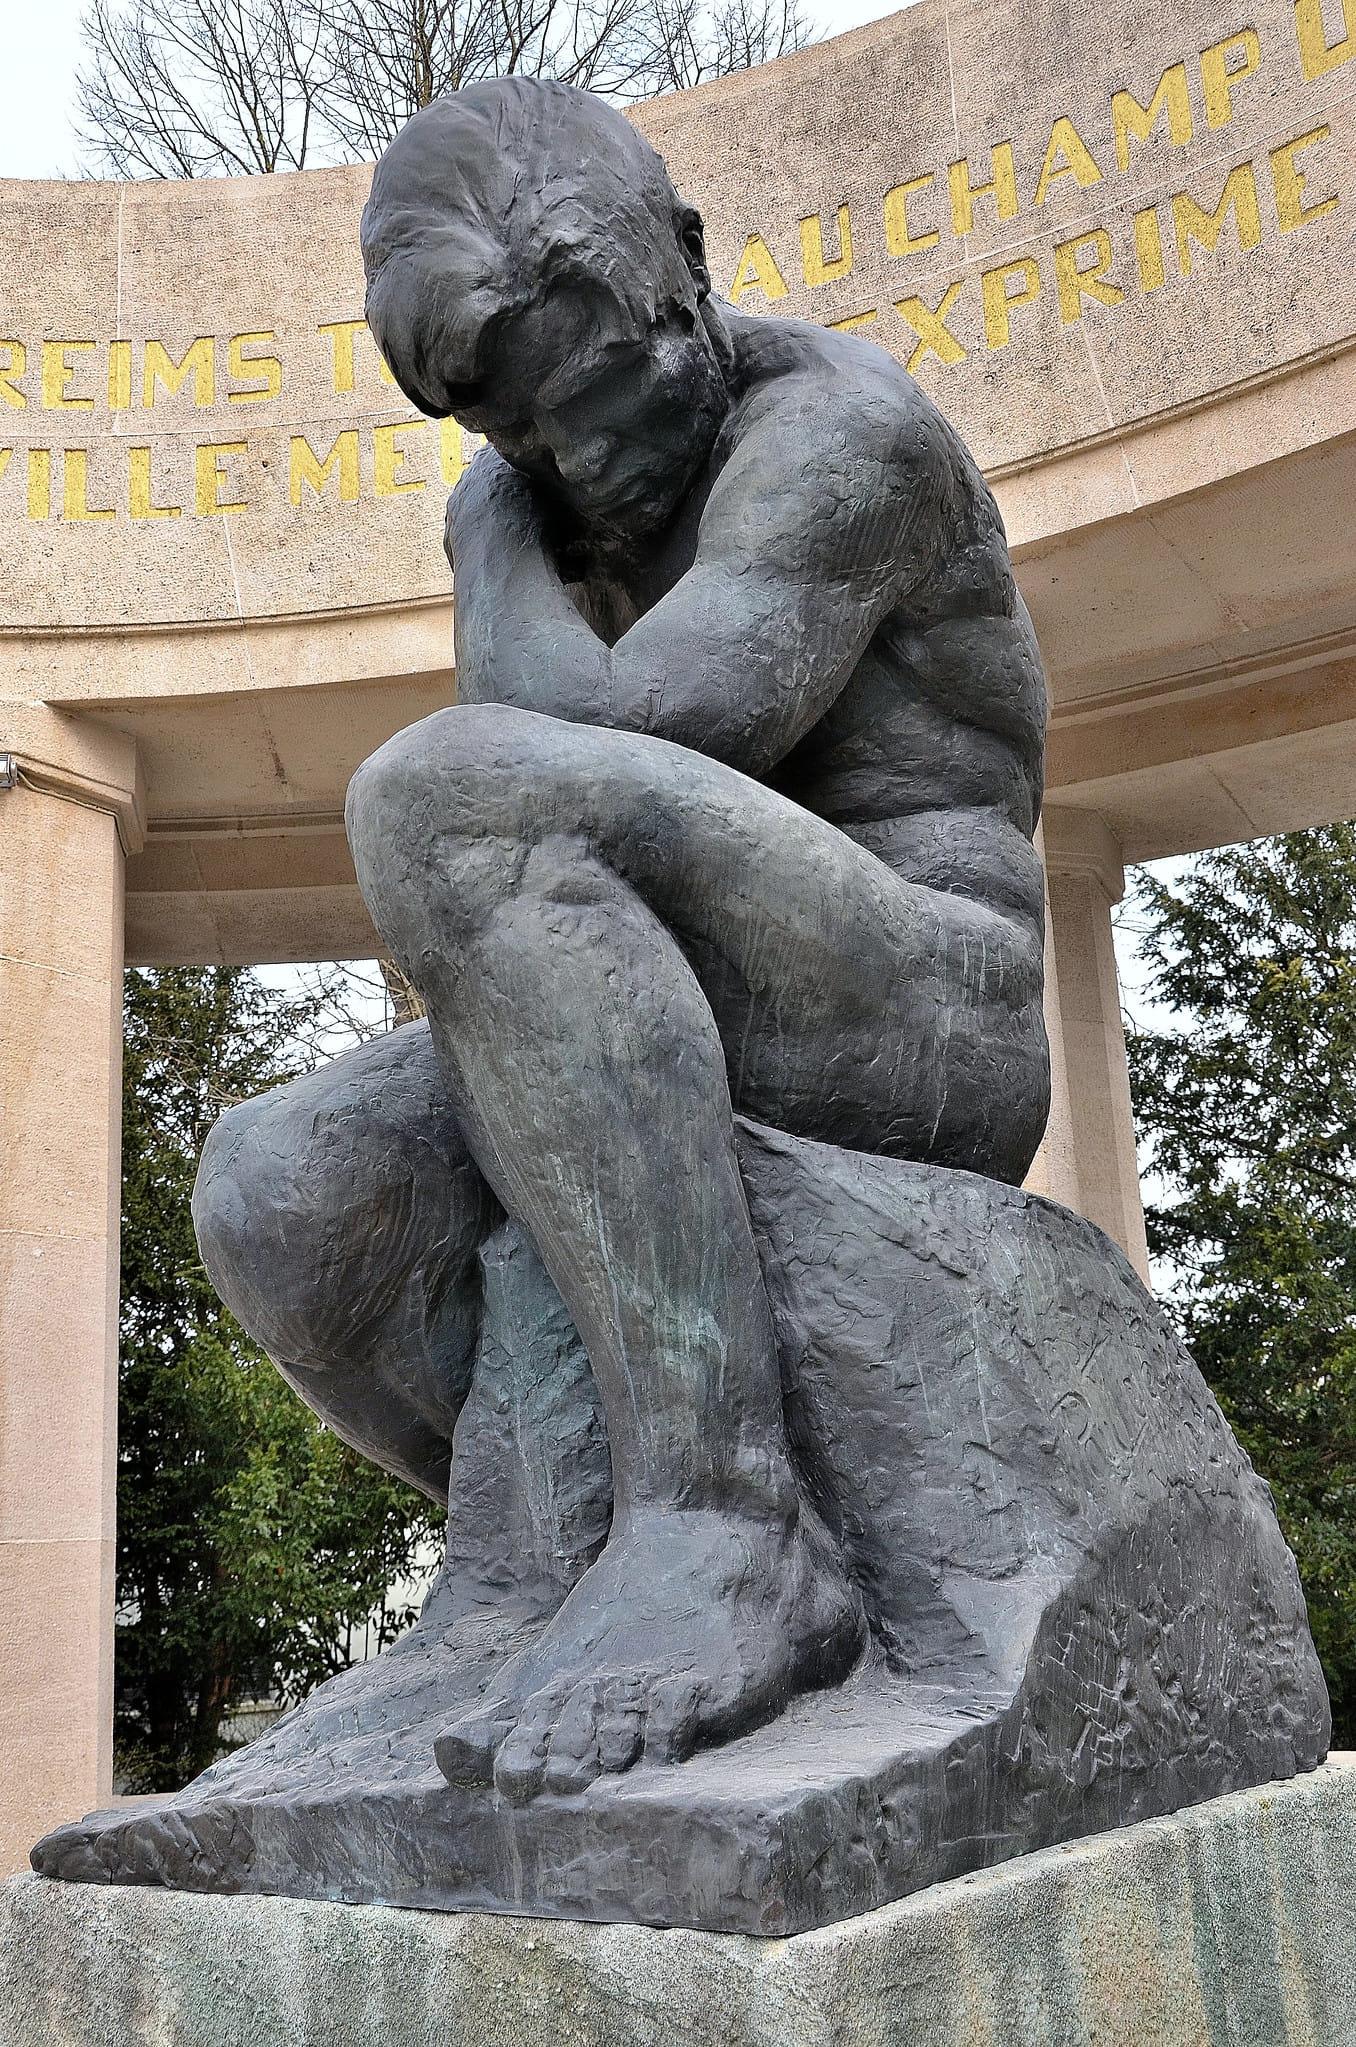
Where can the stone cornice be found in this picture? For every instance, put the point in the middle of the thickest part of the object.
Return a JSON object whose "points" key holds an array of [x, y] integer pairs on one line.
{"points": [[79, 761]]}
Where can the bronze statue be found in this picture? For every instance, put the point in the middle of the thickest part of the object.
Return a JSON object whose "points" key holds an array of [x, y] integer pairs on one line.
{"points": [[718, 884]]}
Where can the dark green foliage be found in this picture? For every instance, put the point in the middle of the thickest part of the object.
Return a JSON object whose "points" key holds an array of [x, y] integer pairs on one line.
{"points": [[1249, 1115], [252, 1544]]}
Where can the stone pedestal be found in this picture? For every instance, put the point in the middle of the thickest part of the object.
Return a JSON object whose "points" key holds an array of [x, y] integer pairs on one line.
{"points": [[1229, 1925]]}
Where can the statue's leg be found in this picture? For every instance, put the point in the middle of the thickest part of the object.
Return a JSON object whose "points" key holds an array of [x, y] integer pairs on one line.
{"points": [[339, 1218], [531, 877]]}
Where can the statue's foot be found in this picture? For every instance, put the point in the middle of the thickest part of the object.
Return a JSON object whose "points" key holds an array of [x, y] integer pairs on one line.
{"points": [[689, 1629]]}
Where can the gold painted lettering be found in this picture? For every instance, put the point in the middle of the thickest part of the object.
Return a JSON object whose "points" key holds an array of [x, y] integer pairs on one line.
{"points": [[241, 365], [119, 376], [5, 454], [341, 333], [812, 263], [1076, 284], [854, 321], [140, 502], [39, 483], [455, 449], [1002, 188], [1219, 78], [898, 239], [1065, 141], [999, 301], [1149, 248], [1317, 54], [212, 473], [305, 466], [200, 363], [1290, 181], [929, 324], [57, 374], [756, 270], [10, 375], [1194, 224], [76, 507], [387, 458], [1129, 118]]}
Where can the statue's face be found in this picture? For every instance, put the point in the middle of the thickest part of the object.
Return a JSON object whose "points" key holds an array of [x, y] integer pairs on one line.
{"points": [[614, 430]]}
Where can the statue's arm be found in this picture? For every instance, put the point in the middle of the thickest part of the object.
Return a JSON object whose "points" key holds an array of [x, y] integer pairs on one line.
{"points": [[520, 639], [821, 521]]}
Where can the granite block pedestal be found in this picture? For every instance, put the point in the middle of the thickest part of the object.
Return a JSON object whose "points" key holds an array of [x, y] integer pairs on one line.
{"points": [[1232, 1924]]}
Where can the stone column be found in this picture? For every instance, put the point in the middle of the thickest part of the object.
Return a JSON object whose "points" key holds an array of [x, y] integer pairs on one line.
{"points": [[1084, 878], [69, 811], [1054, 1170]]}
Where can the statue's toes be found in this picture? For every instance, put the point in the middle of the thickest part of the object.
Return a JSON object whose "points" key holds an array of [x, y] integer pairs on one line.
{"points": [[71, 1853], [621, 1722], [599, 1731], [465, 1753], [520, 1765], [573, 1762], [674, 1718], [569, 1733]]}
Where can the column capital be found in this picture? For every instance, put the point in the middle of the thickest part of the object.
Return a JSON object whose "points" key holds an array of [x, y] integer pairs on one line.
{"points": [[1082, 842], [78, 759]]}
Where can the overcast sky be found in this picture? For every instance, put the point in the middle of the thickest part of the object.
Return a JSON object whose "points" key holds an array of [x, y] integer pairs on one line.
{"points": [[42, 48]]}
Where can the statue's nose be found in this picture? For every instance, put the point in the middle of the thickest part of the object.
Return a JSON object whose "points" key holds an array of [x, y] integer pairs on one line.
{"points": [[583, 461]]}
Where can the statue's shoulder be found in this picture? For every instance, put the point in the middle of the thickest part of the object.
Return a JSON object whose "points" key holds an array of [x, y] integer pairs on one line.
{"points": [[840, 389]]}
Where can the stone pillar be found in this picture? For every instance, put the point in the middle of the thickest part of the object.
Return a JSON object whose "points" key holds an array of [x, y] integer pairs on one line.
{"points": [[1084, 878], [69, 811], [1054, 1170]]}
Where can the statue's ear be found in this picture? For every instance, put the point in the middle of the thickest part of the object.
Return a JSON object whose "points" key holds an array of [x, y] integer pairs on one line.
{"points": [[693, 242]]}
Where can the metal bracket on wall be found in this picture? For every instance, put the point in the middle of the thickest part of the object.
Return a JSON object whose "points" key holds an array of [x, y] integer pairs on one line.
{"points": [[9, 771]]}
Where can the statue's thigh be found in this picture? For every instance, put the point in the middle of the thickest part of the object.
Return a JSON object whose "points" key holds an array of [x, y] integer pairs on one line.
{"points": [[339, 1218], [854, 1005]]}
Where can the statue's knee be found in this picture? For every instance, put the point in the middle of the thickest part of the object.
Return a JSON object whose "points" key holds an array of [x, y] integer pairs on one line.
{"points": [[443, 761], [245, 1214], [476, 770], [320, 1205]]}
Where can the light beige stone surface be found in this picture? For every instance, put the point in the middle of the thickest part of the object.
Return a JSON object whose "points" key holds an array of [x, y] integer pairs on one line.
{"points": [[1085, 878], [1232, 1925], [60, 1064]]}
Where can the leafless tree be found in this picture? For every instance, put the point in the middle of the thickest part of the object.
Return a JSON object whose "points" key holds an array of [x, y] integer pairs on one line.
{"points": [[690, 41], [187, 88], [183, 88]]}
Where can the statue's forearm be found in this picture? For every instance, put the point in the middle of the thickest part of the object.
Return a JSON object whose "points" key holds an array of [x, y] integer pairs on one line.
{"points": [[725, 664], [520, 638], [523, 643]]}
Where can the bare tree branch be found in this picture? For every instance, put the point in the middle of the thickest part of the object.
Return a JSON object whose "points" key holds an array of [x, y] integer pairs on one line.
{"points": [[191, 88], [184, 88]]}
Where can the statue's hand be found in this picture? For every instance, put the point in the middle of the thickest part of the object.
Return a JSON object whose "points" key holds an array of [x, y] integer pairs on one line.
{"points": [[520, 638]]}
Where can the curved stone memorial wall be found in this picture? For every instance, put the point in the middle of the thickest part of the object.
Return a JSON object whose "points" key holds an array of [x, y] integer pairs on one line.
{"points": [[1068, 223]]}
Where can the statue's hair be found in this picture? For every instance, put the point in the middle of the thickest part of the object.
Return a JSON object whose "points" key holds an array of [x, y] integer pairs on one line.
{"points": [[498, 195]]}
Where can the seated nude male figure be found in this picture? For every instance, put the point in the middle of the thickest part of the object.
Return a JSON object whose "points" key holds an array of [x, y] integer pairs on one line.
{"points": [[734, 813]]}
